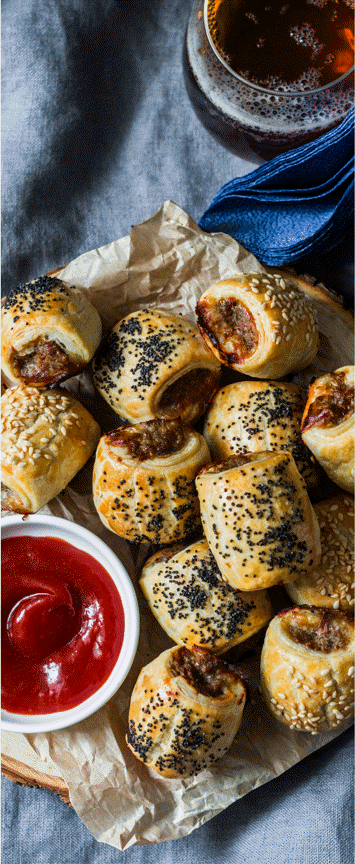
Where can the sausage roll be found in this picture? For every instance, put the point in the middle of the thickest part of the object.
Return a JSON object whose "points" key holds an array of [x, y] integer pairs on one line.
{"points": [[144, 481], [332, 582], [186, 708], [258, 519], [259, 324], [307, 668], [47, 436], [156, 365], [195, 606], [328, 425], [259, 415], [49, 332]]}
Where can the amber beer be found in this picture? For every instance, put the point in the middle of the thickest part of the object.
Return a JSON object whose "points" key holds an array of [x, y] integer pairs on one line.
{"points": [[273, 74], [282, 46]]}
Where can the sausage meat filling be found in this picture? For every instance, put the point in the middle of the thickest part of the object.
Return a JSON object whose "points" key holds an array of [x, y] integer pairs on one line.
{"points": [[235, 461], [10, 500], [45, 363], [151, 439], [203, 671], [333, 406], [193, 389], [230, 327], [319, 629]]}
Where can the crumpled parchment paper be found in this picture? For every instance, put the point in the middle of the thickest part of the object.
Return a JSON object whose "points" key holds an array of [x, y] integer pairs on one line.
{"points": [[166, 261]]}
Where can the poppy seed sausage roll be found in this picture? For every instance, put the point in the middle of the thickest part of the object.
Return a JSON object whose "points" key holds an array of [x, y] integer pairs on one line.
{"points": [[155, 364], [144, 481], [249, 416], [307, 668], [328, 425], [186, 708], [260, 325], [258, 519], [332, 581], [49, 332], [47, 436], [195, 605]]}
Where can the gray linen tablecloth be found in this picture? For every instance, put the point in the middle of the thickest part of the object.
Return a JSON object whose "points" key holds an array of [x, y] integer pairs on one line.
{"points": [[97, 132]]}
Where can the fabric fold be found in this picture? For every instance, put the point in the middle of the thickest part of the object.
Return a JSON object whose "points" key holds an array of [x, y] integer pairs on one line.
{"points": [[300, 202]]}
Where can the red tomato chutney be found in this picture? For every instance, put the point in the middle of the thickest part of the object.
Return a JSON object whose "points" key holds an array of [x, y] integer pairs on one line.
{"points": [[62, 625]]}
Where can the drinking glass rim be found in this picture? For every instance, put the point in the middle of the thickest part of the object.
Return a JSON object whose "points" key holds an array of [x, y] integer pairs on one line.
{"points": [[285, 93]]}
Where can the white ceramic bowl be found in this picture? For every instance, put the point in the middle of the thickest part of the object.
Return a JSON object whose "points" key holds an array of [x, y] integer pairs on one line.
{"points": [[81, 538]]}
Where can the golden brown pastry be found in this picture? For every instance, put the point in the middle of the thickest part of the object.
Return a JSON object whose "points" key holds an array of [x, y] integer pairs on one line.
{"points": [[155, 364], [49, 332], [328, 425], [195, 606], [259, 324], [47, 436], [258, 519], [249, 416], [307, 668], [144, 481], [186, 708], [332, 582]]}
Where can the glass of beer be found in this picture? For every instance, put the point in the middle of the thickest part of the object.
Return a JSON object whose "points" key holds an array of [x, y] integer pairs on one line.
{"points": [[270, 75]]}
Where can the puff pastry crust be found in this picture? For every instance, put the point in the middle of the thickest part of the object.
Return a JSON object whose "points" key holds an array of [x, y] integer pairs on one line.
{"points": [[259, 415], [155, 364], [258, 519], [47, 436], [186, 708], [195, 606], [144, 481], [307, 668], [331, 584], [328, 425], [259, 324], [49, 332]]}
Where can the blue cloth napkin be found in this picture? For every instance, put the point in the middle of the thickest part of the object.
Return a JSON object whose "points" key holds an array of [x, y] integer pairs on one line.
{"points": [[299, 203]]}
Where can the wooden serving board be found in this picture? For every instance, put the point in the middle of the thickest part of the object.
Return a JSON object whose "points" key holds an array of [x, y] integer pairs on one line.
{"points": [[18, 772], [336, 325]]}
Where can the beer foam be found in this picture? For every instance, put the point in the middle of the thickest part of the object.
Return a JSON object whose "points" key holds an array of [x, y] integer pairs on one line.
{"points": [[309, 80]]}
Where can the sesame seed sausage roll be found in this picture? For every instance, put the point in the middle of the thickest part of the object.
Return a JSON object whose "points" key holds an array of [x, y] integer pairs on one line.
{"points": [[195, 606], [249, 416], [47, 436], [49, 332], [186, 708], [332, 582], [260, 325], [258, 519], [144, 481], [307, 668], [155, 365], [328, 425]]}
